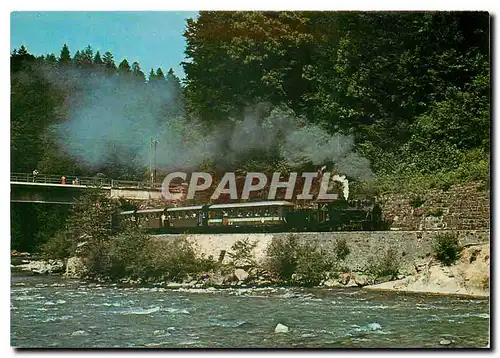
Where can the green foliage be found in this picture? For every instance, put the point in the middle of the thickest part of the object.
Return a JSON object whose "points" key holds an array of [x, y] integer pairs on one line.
{"points": [[242, 253], [312, 266], [384, 266], [447, 248], [292, 262], [341, 249], [32, 225], [416, 201], [91, 218], [172, 260], [413, 88], [125, 254], [282, 255], [59, 246]]}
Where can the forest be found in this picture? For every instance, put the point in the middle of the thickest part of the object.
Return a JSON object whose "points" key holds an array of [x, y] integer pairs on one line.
{"points": [[395, 101]]}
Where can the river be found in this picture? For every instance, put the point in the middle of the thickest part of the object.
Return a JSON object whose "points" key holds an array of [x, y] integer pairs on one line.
{"points": [[49, 312]]}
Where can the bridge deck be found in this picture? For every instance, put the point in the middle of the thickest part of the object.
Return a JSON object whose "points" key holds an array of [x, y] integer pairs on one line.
{"points": [[50, 189]]}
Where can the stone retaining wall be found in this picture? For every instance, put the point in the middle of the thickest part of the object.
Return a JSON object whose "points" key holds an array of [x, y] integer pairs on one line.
{"points": [[410, 246], [462, 207]]}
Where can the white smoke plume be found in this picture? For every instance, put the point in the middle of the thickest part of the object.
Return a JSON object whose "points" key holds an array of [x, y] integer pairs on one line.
{"points": [[112, 120]]}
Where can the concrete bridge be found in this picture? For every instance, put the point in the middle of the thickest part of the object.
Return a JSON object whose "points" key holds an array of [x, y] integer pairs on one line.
{"points": [[51, 189]]}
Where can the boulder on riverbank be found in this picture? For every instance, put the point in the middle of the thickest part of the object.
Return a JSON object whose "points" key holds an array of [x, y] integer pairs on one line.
{"points": [[281, 328], [468, 276], [42, 267], [75, 268]]}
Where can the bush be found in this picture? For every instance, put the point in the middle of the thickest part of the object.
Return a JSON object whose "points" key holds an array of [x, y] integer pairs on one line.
{"points": [[312, 266], [302, 264], [446, 248], [341, 249], [125, 254], [385, 266], [282, 257], [59, 246], [242, 253], [416, 201], [172, 260]]}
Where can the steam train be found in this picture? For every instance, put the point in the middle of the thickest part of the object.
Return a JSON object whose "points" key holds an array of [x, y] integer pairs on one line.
{"points": [[263, 216]]}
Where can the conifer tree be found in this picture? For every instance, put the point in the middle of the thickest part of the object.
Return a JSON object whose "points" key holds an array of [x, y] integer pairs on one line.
{"points": [[138, 74], [124, 67], [159, 74], [97, 59], [152, 75], [108, 61], [87, 56], [65, 57]]}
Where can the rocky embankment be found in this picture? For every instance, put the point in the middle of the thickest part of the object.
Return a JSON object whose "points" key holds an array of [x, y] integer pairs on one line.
{"points": [[27, 263], [470, 275]]}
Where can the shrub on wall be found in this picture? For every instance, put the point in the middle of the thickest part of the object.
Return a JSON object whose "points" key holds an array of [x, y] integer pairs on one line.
{"points": [[282, 257], [292, 262], [341, 249], [384, 267], [312, 266], [173, 260], [241, 253], [446, 248]]}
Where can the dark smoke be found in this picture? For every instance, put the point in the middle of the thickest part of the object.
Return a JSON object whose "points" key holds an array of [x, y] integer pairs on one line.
{"points": [[114, 119]]}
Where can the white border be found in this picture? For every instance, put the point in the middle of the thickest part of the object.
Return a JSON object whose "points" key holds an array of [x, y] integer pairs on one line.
{"points": [[183, 5]]}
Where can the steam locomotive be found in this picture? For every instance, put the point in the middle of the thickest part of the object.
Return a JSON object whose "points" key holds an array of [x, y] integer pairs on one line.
{"points": [[262, 216]]}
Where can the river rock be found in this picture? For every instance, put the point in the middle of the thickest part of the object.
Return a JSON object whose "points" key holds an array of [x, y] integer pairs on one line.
{"points": [[216, 278], [444, 342], [175, 285], [345, 278], [361, 279], [75, 268], [43, 267], [331, 282], [79, 333], [241, 274], [281, 328]]}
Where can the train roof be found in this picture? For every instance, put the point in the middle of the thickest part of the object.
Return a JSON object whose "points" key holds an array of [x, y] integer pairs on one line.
{"points": [[145, 211], [181, 208], [251, 204]]}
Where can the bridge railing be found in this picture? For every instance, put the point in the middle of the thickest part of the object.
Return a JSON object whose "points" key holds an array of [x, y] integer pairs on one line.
{"points": [[85, 181]]}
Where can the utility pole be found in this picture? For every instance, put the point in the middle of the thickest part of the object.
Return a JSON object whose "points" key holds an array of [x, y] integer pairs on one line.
{"points": [[152, 160], [155, 143]]}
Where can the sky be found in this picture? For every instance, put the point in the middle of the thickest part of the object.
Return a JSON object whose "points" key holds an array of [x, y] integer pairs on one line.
{"points": [[154, 39]]}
